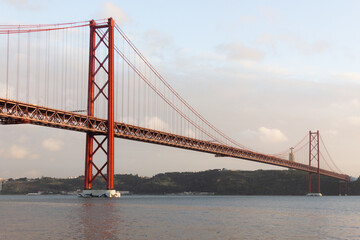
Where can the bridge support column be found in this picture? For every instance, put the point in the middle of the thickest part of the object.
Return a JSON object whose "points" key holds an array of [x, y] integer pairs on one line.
{"points": [[314, 156], [343, 188], [101, 38]]}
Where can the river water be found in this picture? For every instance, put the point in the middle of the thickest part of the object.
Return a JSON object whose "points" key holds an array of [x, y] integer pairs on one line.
{"points": [[179, 217]]}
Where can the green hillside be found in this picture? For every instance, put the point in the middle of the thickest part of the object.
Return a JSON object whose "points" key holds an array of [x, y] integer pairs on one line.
{"points": [[220, 182]]}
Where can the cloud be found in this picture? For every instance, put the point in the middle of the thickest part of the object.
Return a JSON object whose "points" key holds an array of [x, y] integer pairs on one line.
{"points": [[354, 120], [344, 104], [271, 135], [315, 47], [237, 51], [110, 9], [355, 102], [18, 152], [52, 144], [156, 42], [246, 19], [34, 156], [268, 12], [156, 123], [332, 132], [248, 133], [348, 76], [311, 48], [266, 39], [3, 91], [302, 46], [17, 2], [22, 139], [24, 4], [190, 133]]}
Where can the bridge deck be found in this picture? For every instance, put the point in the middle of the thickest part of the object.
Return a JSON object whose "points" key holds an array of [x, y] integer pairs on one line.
{"points": [[12, 112]]}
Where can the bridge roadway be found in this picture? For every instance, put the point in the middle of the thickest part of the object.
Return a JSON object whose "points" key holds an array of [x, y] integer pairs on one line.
{"points": [[14, 112]]}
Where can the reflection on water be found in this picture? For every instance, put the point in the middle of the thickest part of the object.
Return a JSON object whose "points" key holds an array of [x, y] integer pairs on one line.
{"points": [[179, 217], [98, 220]]}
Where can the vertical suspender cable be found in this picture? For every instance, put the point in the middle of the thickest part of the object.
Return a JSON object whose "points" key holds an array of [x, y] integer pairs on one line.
{"points": [[128, 93], [65, 70], [134, 115], [18, 68], [138, 93], [122, 88], [144, 100], [55, 71], [7, 66], [115, 85], [28, 69], [50, 80], [46, 68], [82, 85], [38, 68]]}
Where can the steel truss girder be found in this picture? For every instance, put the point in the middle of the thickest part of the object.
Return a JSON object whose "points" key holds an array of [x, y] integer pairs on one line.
{"points": [[61, 119]]}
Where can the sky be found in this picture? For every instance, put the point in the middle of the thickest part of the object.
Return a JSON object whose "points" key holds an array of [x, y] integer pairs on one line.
{"points": [[263, 72]]}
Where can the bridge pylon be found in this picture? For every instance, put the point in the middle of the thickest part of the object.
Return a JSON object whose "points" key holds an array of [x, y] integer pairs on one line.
{"points": [[343, 188], [101, 36], [314, 156]]}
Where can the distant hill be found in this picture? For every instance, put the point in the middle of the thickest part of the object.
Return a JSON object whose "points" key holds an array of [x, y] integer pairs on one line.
{"points": [[219, 182]]}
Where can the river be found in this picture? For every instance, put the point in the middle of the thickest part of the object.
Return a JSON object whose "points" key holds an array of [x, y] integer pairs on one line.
{"points": [[179, 217]]}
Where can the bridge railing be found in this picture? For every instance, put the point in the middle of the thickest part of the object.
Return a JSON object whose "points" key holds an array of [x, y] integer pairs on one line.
{"points": [[17, 112]]}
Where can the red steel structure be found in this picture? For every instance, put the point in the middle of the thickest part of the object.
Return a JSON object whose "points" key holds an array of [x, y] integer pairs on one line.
{"points": [[314, 156], [18, 112], [101, 130], [101, 39]]}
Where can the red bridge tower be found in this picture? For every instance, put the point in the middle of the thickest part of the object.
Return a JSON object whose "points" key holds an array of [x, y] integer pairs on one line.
{"points": [[101, 36], [314, 156]]}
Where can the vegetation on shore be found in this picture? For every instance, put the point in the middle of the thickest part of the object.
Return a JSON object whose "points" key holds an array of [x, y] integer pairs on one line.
{"points": [[219, 182]]}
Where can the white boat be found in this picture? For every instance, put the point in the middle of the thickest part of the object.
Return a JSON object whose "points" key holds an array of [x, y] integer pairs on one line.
{"points": [[100, 193], [33, 194], [314, 195]]}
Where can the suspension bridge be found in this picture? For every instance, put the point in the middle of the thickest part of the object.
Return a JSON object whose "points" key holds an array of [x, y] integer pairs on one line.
{"points": [[89, 77]]}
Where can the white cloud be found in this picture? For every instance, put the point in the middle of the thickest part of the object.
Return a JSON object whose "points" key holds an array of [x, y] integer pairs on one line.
{"points": [[349, 105], [18, 152], [271, 135], [52, 144], [302, 46], [3, 91], [314, 47], [266, 39], [17, 2], [156, 42], [268, 12], [24, 4], [112, 10], [355, 102], [22, 139], [332, 132], [248, 133], [354, 120], [190, 133], [237, 51], [156, 123], [34, 156], [348, 76], [246, 19], [305, 47]]}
